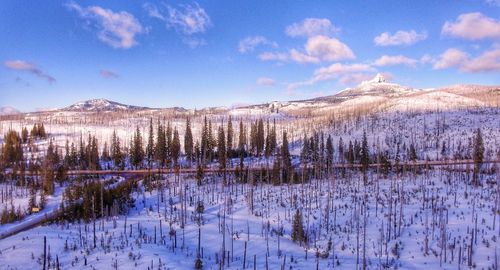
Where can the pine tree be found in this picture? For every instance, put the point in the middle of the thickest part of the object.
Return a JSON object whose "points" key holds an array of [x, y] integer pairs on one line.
{"points": [[241, 138], [82, 158], [275, 176], [413, 153], [285, 157], [304, 153], [161, 145], [267, 149], [24, 135], [365, 156], [211, 141], [350, 153], [168, 135], [229, 141], [221, 148], [478, 156], [136, 149], [48, 179], [188, 142], [150, 145], [365, 153], [12, 150], [116, 152], [260, 140], [329, 153], [204, 140], [176, 147], [298, 234], [105, 152], [341, 150]]}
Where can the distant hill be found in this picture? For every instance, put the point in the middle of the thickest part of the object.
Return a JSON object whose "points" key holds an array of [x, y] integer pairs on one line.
{"points": [[7, 110], [101, 105]]}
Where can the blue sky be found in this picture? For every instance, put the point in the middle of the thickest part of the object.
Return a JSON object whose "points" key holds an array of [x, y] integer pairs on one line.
{"points": [[212, 53]]}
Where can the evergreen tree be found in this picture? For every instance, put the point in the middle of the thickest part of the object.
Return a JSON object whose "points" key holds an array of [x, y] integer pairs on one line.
{"points": [[341, 150], [176, 147], [365, 157], [48, 179], [150, 145], [161, 146], [304, 154], [478, 155], [365, 153], [211, 141], [413, 153], [105, 152], [136, 149], [350, 154], [298, 234], [241, 138], [286, 160], [260, 140], [82, 158], [204, 140], [229, 141], [188, 142], [24, 135], [168, 135], [221, 148], [329, 153], [116, 152], [12, 150], [267, 150]]}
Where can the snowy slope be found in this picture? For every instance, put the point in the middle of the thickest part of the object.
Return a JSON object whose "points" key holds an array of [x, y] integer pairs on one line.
{"points": [[7, 110], [378, 86], [101, 105]]}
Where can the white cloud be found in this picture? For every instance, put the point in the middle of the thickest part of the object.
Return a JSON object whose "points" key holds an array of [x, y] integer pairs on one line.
{"points": [[328, 49], [189, 19], [108, 74], [334, 71], [248, 44], [153, 11], [317, 49], [265, 81], [472, 26], [311, 27], [426, 58], [271, 56], [488, 61], [399, 38], [391, 60], [302, 58], [117, 29], [20, 65], [451, 58]]}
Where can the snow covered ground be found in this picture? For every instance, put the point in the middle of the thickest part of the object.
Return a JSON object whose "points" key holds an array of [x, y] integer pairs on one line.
{"points": [[437, 204]]}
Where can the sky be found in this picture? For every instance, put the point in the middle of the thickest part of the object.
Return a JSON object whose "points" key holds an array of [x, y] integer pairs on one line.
{"points": [[198, 54]]}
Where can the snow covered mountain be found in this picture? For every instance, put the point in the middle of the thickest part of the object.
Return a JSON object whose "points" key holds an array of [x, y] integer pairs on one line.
{"points": [[375, 95], [101, 105], [378, 86], [7, 110], [378, 94]]}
